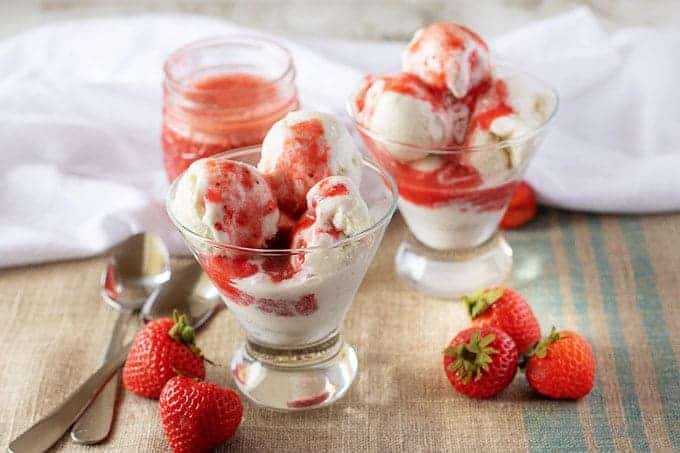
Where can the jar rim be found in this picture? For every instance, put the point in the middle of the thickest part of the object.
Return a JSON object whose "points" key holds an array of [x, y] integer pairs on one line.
{"points": [[245, 40]]}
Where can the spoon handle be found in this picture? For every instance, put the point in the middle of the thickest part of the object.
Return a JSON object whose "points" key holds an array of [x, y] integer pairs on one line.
{"points": [[47, 431], [95, 423]]}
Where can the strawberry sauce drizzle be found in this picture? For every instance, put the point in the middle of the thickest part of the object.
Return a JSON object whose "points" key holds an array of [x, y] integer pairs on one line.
{"points": [[434, 46], [454, 180], [305, 222], [223, 270], [307, 136], [308, 401], [410, 85], [487, 104], [231, 185], [304, 161], [278, 268], [327, 189]]}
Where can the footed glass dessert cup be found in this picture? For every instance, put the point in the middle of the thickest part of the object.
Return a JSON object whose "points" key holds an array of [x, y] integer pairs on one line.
{"points": [[453, 198], [291, 302]]}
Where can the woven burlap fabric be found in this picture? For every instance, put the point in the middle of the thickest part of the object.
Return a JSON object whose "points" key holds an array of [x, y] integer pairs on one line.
{"points": [[615, 279]]}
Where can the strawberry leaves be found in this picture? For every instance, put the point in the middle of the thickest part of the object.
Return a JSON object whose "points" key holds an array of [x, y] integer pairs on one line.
{"points": [[541, 348], [482, 299], [472, 358], [181, 331]]}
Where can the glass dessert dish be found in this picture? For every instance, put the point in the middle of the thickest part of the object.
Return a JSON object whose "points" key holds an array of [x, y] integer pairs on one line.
{"points": [[222, 94], [291, 302], [453, 197]]}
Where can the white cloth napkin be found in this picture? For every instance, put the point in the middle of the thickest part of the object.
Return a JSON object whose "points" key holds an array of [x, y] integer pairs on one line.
{"points": [[80, 158]]}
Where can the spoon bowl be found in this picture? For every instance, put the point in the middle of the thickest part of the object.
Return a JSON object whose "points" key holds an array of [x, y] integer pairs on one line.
{"points": [[190, 292], [138, 266]]}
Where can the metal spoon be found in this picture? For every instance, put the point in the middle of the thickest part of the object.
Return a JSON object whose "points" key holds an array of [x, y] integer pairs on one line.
{"points": [[189, 291], [136, 269]]}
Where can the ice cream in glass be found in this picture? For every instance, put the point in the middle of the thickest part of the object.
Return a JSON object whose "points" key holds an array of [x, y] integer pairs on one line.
{"points": [[222, 94], [457, 132], [286, 232]]}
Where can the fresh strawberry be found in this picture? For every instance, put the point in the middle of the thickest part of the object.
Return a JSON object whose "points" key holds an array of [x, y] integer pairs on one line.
{"points": [[562, 366], [163, 349], [505, 309], [481, 362], [198, 416], [522, 207]]}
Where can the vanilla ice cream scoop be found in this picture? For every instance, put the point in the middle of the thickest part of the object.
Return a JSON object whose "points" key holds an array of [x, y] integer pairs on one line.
{"points": [[226, 201], [405, 110], [335, 211], [448, 55], [506, 111], [301, 149]]}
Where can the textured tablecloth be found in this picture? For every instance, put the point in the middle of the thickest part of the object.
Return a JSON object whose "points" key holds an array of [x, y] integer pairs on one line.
{"points": [[615, 279]]}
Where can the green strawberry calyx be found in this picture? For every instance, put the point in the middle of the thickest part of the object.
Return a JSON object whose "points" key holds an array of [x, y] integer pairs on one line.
{"points": [[181, 331], [478, 302], [472, 358], [540, 350]]}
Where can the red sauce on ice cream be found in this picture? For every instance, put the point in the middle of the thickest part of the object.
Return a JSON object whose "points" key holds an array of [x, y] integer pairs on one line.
{"points": [[304, 160], [454, 179]]}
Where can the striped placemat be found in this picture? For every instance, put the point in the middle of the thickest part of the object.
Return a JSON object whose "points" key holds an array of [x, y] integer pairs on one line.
{"points": [[614, 279]]}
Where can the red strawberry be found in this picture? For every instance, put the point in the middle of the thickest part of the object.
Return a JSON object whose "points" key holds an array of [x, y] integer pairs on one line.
{"points": [[507, 310], [198, 416], [163, 349], [481, 362], [522, 207], [562, 366]]}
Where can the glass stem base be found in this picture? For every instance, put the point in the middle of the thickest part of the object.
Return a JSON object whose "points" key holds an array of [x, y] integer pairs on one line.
{"points": [[453, 274], [295, 379]]}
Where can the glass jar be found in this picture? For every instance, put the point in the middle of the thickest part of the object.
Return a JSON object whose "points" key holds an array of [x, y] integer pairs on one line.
{"points": [[221, 94]]}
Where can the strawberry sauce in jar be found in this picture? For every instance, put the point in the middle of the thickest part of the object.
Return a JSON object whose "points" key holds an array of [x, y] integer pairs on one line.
{"points": [[221, 94]]}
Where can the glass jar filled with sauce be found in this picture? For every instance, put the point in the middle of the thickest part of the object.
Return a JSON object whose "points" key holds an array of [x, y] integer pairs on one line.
{"points": [[223, 93]]}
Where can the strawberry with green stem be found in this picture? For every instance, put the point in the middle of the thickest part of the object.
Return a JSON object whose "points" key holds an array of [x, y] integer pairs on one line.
{"points": [[162, 349], [481, 362], [507, 310], [561, 366]]}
